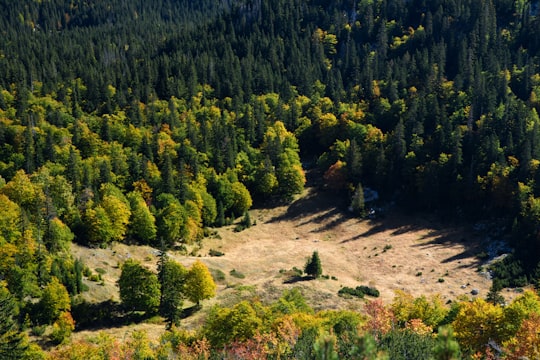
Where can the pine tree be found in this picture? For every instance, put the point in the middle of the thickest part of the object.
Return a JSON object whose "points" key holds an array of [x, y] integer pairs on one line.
{"points": [[12, 341], [172, 277], [447, 348], [313, 266], [358, 205]]}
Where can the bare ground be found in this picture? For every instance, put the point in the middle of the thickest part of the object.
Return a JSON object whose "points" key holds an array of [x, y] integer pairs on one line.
{"points": [[411, 253]]}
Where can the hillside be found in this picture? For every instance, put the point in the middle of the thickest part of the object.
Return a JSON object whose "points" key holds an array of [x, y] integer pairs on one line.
{"points": [[128, 127]]}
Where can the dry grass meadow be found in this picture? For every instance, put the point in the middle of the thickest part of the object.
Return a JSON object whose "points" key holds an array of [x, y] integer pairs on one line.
{"points": [[415, 254]]}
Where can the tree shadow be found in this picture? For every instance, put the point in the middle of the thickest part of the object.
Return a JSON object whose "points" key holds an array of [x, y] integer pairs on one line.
{"points": [[317, 207], [295, 279], [106, 314], [189, 311], [395, 222], [472, 246]]}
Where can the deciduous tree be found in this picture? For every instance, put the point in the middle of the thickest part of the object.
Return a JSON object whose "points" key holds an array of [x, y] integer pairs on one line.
{"points": [[139, 288], [199, 283], [54, 301]]}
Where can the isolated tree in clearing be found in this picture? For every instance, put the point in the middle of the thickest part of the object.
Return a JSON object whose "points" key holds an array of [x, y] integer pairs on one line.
{"points": [[139, 288], [313, 265], [199, 283]]}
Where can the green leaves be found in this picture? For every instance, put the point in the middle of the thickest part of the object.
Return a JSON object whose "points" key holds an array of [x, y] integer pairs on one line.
{"points": [[172, 277], [54, 301], [139, 288], [313, 266]]}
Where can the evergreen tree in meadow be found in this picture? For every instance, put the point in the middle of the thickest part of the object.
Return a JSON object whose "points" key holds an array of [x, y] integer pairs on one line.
{"points": [[313, 266]]}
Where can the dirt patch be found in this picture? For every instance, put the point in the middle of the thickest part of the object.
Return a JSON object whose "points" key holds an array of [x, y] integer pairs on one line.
{"points": [[411, 253]]}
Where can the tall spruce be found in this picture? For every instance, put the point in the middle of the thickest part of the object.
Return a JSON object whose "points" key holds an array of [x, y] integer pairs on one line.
{"points": [[313, 266]]}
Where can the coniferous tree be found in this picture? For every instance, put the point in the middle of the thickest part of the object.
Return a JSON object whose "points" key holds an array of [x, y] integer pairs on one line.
{"points": [[313, 266], [358, 205], [172, 277], [13, 344]]}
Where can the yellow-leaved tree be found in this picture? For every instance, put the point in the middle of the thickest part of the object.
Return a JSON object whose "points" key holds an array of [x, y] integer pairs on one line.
{"points": [[478, 323], [199, 283]]}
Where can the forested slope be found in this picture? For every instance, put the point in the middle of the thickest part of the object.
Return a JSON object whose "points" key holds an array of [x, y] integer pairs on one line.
{"points": [[151, 121]]}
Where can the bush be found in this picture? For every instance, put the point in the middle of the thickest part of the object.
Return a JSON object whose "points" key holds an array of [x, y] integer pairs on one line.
{"points": [[213, 252], [217, 275], [359, 291], [39, 330], [62, 328], [237, 274], [94, 277]]}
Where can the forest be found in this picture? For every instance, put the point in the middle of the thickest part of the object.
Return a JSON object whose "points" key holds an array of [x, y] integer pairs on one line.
{"points": [[156, 122]]}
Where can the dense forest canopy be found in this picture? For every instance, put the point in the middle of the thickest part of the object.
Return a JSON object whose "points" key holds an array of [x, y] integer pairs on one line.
{"points": [[150, 121]]}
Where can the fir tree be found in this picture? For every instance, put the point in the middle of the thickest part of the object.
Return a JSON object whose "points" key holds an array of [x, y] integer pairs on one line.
{"points": [[313, 266], [12, 341]]}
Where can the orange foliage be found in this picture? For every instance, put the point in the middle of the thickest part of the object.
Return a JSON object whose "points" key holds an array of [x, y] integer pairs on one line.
{"points": [[381, 319], [526, 343], [418, 326], [336, 177]]}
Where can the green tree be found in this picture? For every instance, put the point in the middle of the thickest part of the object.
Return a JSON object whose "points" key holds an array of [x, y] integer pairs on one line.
{"points": [[209, 210], [54, 301], [142, 223], [313, 265], [13, 343], [225, 325], [358, 205], [446, 346], [62, 328], [404, 344], [241, 198], [324, 347], [199, 283], [171, 219], [118, 211], [172, 277], [9, 221], [58, 236], [139, 288]]}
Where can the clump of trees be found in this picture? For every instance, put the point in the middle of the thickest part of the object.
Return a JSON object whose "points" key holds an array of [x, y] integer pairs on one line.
{"points": [[144, 291]]}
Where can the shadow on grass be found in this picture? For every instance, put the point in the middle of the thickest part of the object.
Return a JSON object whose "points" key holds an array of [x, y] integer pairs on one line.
{"points": [[106, 314], [295, 279], [111, 314], [325, 208], [189, 311]]}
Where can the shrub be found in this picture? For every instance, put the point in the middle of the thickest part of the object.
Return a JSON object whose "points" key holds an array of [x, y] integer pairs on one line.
{"points": [[213, 252], [217, 274], [62, 328], [359, 291], [237, 274]]}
